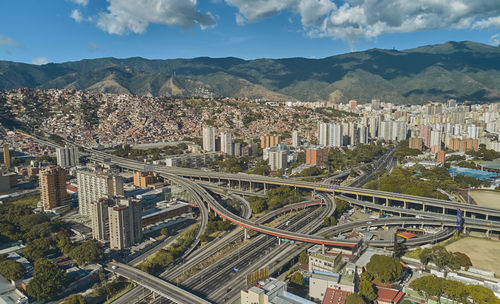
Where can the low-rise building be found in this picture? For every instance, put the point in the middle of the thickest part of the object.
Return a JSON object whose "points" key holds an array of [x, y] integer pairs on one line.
{"points": [[191, 159], [320, 281], [272, 291]]}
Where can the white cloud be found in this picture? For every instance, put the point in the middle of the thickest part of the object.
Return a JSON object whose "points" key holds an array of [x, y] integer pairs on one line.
{"points": [[40, 60], [240, 20], [81, 2], [135, 16], [353, 19], [6, 41], [495, 40], [76, 15]]}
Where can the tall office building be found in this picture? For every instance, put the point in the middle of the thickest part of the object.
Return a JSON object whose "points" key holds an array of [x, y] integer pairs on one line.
{"points": [[295, 139], [226, 143], [53, 187], [6, 156], [209, 139], [93, 186], [125, 224], [67, 157], [278, 158], [100, 218], [373, 126]]}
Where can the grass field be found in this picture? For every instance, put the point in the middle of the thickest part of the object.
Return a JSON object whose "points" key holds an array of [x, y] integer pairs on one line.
{"points": [[489, 199], [482, 252]]}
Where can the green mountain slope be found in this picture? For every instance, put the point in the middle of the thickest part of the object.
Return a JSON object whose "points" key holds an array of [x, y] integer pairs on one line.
{"points": [[460, 70]]}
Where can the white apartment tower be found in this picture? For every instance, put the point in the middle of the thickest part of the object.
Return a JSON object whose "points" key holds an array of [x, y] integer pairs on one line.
{"points": [[209, 139], [295, 139], [226, 143], [93, 186], [67, 157]]}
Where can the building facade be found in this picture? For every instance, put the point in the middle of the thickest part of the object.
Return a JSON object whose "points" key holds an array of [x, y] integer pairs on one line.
{"points": [[209, 139], [67, 157], [53, 187], [125, 224], [95, 185]]}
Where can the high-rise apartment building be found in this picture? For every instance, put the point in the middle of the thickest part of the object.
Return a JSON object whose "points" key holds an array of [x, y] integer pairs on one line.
{"points": [[399, 130], [278, 158], [125, 224], [335, 135], [67, 157], [6, 156], [144, 179], [295, 139], [209, 139], [323, 135], [267, 141], [316, 156], [95, 185], [415, 143], [362, 134], [385, 131], [100, 218], [53, 187], [226, 143]]}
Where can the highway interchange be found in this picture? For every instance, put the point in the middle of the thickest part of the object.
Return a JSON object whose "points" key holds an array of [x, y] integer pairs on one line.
{"points": [[207, 284]]}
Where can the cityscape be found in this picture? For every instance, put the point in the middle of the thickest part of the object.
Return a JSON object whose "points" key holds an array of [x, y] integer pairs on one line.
{"points": [[365, 177]]}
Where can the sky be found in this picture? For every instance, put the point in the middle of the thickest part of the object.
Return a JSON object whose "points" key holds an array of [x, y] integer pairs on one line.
{"points": [[42, 31]]}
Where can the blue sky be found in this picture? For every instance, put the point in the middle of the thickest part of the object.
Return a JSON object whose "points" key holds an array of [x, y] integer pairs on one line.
{"points": [[39, 31]]}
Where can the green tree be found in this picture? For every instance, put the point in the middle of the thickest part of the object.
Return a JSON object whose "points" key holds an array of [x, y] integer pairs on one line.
{"points": [[367, 290], [304, 258], [354, 298], [384, 268], [75, 299], [87, 252], [37, 249], [47, 281], [11, 269], [297, 278]]}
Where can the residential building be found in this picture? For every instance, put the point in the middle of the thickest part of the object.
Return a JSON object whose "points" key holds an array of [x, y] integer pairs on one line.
{"points": [[335, 296], [388, 295], [278, 158], [209, 139], [100, 218], [324, 262], [6, 156], [441, 157], [323, 135], [267, 141], [144, 179], [226, 143], [67, 157], [362, 134], [191, 160], [94, 185], [316, 156], [271, 291], [53, 187], [295, 139], [415, 143], [320, 281], [335, 135], [125, 224], [4, 183], [386, 130]]}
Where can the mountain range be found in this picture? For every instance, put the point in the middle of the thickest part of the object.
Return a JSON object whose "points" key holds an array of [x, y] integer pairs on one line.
{"points": [[459, 70]]}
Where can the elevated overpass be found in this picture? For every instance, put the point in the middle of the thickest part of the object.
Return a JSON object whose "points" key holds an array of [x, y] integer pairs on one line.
{"points": [[156, 285]]}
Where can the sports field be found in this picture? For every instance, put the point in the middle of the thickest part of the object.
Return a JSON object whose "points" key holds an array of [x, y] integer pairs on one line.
{"points": [[482, 252], [486, 198]]}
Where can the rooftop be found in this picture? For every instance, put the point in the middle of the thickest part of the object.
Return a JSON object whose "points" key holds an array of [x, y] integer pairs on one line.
{"points": [[335, 296]]}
